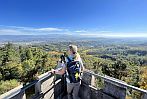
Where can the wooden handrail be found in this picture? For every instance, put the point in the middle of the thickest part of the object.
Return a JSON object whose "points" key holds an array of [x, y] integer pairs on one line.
{"points": [[117, 81], [21, 88]]}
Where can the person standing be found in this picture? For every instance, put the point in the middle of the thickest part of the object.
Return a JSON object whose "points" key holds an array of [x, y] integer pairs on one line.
{"points": [[73, 67]]}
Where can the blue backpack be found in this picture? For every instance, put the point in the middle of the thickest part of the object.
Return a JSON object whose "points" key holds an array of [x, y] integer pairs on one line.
{"points": [[73, 69]]}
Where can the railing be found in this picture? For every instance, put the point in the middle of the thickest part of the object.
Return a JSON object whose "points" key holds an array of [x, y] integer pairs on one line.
{"points": [[120, 82], [47, 88], [112, 89], [43, 87]]}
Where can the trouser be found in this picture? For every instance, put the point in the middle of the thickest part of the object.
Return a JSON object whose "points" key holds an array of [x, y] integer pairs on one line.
{"points": [[73, 90], [64, 85]]}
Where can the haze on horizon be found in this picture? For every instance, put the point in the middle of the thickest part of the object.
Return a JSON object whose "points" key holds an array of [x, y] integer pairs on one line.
{"points": [[94, 18]]}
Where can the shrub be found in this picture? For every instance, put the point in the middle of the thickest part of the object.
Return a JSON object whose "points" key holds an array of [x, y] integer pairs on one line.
{"points": [[7, 85]]}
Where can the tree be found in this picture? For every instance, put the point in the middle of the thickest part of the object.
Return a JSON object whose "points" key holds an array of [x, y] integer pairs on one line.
{"points": [[29, 54], [10, 60], [28, 71], [115, 69]]}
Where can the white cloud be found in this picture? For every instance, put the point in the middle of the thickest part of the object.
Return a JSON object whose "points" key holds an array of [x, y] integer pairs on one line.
{"points": [[80, 31], [126, 35], [9, 32], [89, 34], [14, 30], [49, 29], [114, 34]]}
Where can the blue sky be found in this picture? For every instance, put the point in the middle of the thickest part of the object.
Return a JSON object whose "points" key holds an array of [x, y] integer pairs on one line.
{"points": [[83, 17]]}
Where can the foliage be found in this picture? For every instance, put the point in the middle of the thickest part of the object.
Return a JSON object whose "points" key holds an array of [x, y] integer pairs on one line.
{"points": [[143, 77], [23, 63], [127, 62], [8, 85]]}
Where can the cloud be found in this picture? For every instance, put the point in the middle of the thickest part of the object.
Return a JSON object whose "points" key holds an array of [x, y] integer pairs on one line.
{"points": [[17, 30], [9, 32], [14, 30], [129, 35], [80, 31], [120, 35], [49, 29]]}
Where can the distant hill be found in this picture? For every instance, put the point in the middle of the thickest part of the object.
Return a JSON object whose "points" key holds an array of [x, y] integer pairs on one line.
{"points": [[31, 37], [69, 38]]}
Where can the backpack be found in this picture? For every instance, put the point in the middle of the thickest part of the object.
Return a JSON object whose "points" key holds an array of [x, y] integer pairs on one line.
{"points": [[73, 69]]}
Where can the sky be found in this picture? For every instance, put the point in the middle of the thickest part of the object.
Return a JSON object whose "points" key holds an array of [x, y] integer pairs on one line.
{"points": [[125, 18]]}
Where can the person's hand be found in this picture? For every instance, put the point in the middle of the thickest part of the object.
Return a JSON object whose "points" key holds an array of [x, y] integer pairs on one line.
{"points": [[53, 71]]}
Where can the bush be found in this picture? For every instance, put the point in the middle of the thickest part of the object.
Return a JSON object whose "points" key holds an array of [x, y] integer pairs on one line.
{"points": [[7, 85]]}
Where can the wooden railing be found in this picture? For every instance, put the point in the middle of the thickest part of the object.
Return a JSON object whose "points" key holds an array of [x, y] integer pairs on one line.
{"points": [[42, 88], [112, 89], [47, 87]]}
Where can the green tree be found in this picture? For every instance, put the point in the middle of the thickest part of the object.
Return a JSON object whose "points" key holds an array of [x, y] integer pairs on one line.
{"points": [[28, 67], [10, 60], [29, 54], [115, 69]]}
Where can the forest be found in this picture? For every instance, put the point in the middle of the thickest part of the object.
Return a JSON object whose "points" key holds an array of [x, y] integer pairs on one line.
{"points": [[23, 63]]}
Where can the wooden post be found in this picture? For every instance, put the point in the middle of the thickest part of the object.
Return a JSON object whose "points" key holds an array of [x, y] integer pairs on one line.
{"points": [[114, 90], [38, 88]]}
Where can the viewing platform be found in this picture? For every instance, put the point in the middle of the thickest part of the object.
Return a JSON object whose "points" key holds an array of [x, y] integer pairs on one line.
{"points": [[46, 87]]}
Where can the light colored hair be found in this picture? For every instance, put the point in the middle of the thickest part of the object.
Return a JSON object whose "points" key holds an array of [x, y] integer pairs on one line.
{"points": [[74, 49]]}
